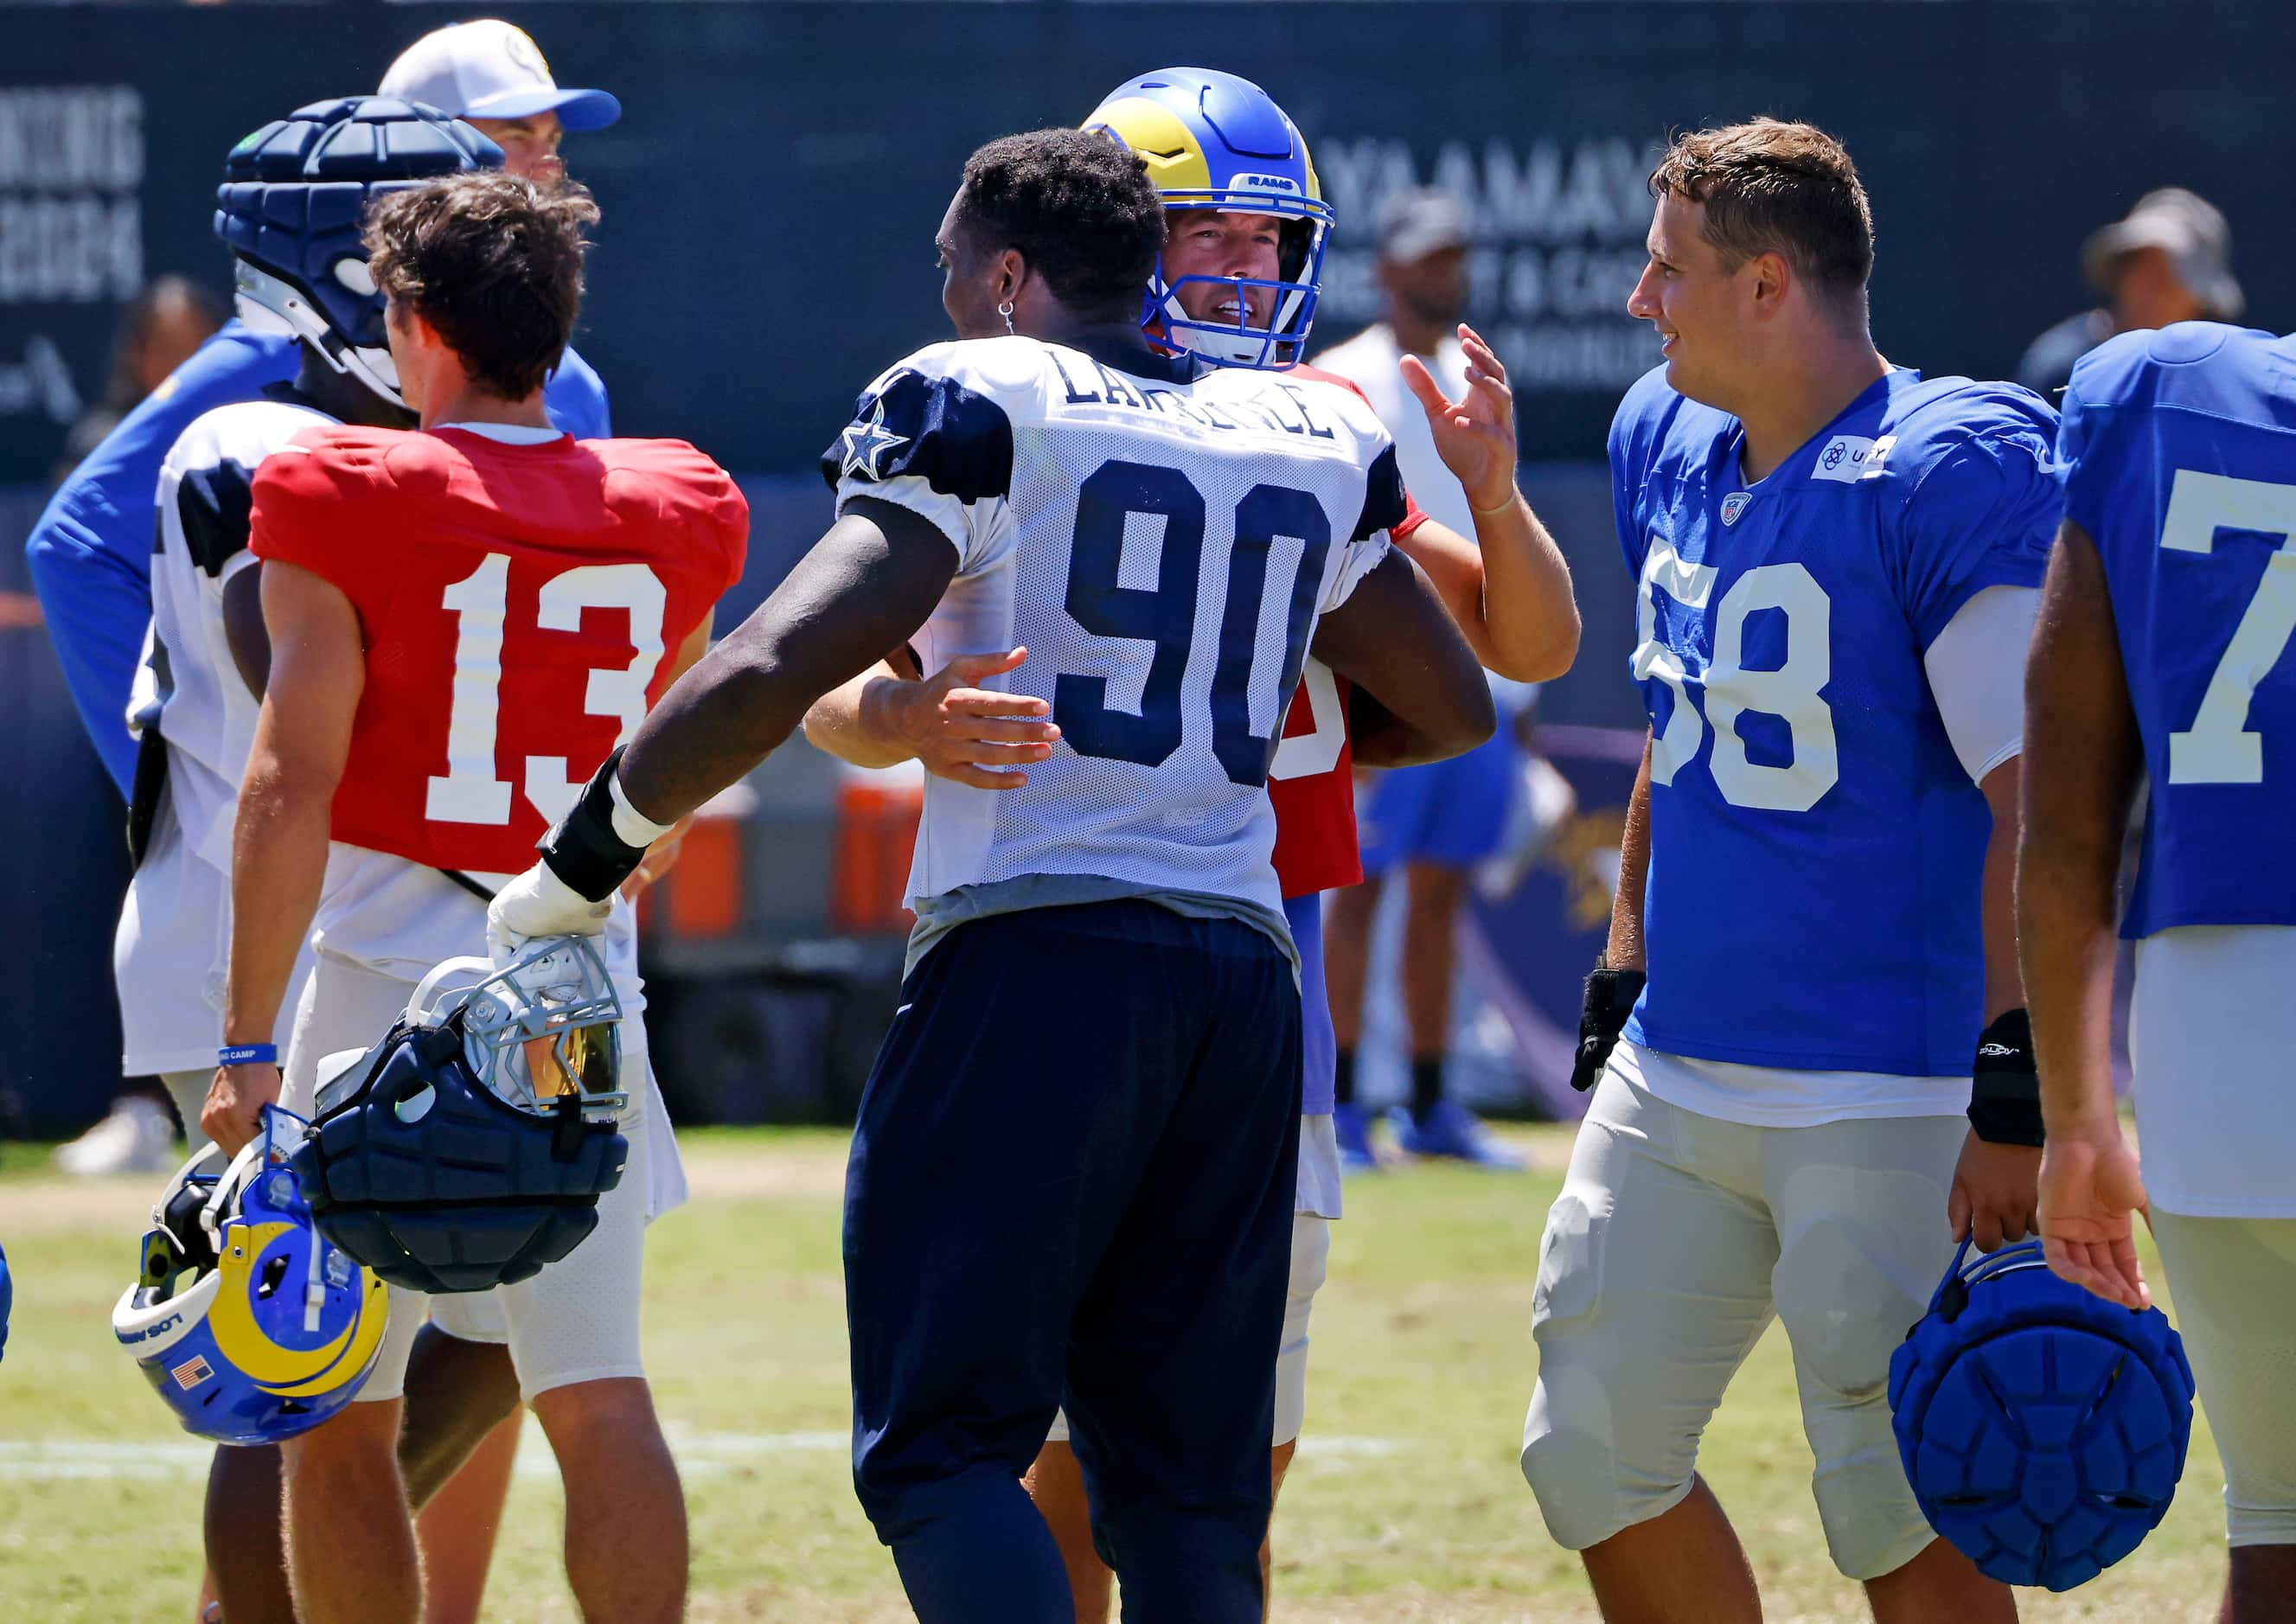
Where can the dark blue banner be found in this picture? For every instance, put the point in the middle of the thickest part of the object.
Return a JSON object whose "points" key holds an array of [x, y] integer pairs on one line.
{"points": [[771, 192]]}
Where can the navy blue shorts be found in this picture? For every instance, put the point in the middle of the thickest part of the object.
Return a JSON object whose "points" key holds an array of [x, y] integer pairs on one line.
{"points": [[1071, 1185]]}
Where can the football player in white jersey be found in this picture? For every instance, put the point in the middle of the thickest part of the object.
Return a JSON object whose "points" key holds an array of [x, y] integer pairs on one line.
{"points": [[194, 706], [1073, 1173], [1232, 272]]}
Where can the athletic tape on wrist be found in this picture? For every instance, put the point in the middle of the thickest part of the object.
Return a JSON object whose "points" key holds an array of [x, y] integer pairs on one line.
{"points": [[587, 849]]}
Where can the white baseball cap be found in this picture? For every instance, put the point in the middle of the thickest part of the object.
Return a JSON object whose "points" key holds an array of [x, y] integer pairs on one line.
{"points": [[491, 69]]}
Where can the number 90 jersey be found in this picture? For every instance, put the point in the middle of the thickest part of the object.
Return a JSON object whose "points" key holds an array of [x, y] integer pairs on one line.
{"points": [[2179, 455], [519, 604], [1816, 845], [1163, 539]]}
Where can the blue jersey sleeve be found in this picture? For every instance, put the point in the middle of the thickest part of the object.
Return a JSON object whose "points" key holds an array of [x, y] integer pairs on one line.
{"points": [[576, 397], [91, 552], [2086, 466], [1634, 431], [1983, 512]]}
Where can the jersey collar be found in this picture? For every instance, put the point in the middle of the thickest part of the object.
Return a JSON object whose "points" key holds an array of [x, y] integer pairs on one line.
{"points": [[1134, 362], [1796, 463]]}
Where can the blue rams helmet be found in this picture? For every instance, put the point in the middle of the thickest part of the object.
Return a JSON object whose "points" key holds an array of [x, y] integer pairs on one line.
{"points": [[242, 1317], [2043, 1427], [293, 202], [1211, 140], [470, 1147]]}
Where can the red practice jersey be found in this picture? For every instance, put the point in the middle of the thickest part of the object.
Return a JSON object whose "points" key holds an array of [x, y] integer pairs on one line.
{"points": [[1313, 780], [521, 605]]}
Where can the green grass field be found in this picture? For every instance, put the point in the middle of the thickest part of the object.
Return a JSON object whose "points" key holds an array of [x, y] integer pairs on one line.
{"points": [[1406, 1504]]}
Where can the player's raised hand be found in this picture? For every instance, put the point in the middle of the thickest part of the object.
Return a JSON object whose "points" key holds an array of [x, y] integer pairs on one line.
{"points": [[1474, 435], [234, 1112], [968, 734], [2090, 1184]]}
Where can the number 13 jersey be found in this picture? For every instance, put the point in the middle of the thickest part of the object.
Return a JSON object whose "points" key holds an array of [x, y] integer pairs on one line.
{"points": [[521, 605], [1816, 844], [1162, 541]]}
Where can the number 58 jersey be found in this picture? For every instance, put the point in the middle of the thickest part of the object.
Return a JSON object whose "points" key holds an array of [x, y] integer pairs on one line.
{"points": [[521, 603], [1816, 844], [1162, 541], [2179, 455]]}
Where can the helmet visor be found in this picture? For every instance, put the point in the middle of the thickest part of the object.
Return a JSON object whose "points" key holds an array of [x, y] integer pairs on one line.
{"points": [[545, 1027]]}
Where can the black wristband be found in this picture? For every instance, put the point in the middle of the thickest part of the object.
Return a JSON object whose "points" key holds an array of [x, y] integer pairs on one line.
{"points": [[584, 850], [2004, 1095], [1611, 996]]}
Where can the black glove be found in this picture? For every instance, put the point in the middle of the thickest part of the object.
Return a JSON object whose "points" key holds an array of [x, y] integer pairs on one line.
{"points": [[2004, 1096], [1611, 996]]}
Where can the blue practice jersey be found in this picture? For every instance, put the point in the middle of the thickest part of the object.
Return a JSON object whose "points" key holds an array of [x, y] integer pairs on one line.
{"points": [[1816, 845], [2179, 454], [91, 552]]}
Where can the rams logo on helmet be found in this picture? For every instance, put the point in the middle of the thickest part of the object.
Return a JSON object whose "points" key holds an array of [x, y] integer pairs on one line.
{"points": [[246, 1321]]}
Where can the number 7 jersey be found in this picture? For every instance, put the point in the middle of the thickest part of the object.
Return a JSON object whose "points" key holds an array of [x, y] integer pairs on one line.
{"points": [[2180, 454], [520, 602], [1816, 846], [1162, 541]]}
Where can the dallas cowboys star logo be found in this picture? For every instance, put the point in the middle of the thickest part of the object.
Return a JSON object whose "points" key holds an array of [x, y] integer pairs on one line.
{"points": [[867, 443]]}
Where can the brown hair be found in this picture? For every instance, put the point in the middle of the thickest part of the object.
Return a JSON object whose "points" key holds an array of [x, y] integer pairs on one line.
{"points": [[494, 263], [1773, 187]]}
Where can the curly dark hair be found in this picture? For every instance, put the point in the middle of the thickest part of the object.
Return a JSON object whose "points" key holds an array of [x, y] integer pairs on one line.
{"points": [[1770, 185], [1079, 208], [494, 262]]}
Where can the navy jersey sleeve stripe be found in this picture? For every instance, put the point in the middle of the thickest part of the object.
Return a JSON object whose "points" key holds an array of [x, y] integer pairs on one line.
{"points": [[216, 505], [1384, 503], [956, 439]]}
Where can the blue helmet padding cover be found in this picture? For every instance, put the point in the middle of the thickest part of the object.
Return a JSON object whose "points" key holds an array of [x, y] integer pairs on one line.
{"points": [[296, 192], [427, 1177], [2042, 1429]]}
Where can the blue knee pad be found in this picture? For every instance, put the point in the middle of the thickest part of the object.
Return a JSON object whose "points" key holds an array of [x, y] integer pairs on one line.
{"points": [[2043, 1427]]}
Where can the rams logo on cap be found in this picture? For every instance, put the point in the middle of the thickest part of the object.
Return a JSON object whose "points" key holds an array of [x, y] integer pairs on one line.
{"points": [[519, 46]]}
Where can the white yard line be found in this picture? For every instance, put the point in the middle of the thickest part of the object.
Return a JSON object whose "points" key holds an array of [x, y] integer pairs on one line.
{"points": [[699, 1455]]}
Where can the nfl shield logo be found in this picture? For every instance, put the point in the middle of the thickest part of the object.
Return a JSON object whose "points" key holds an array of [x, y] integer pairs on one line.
{"points": [[1734, 504]]}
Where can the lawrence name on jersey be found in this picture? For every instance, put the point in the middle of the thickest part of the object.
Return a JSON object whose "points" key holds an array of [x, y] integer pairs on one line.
{"points": [[1812, 901]]}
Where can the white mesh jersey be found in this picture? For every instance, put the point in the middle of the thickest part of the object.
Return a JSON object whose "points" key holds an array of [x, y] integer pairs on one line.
{"points": [[1162, 543], [169, 954]]}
